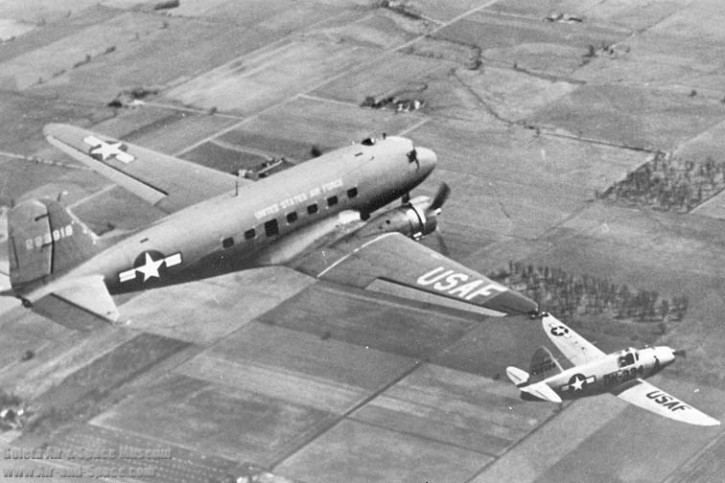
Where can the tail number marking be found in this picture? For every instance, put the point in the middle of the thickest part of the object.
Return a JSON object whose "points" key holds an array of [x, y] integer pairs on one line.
{"points": [[57, 235], [618, 377]]}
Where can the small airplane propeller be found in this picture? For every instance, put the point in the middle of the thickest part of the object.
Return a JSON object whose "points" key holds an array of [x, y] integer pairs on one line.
{"points": [[680, 353]]}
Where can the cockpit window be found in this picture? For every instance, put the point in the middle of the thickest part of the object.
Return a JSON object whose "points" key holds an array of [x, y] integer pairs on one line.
{"points": [[368, 141], [413, 156], [626, 359]]}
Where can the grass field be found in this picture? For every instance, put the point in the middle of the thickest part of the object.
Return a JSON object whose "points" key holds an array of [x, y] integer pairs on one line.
{"points": [[358, 452], [321, 383], [320, 373], [193, 414], [258, 81]]}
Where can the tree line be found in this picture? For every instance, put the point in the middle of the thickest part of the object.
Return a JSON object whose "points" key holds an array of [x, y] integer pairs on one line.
{"points": [[566, 295], [670, 183]]}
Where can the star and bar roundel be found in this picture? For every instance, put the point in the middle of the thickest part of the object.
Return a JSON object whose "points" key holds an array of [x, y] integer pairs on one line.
{"points": [[149, 266], [103, 150], [578, 382]]}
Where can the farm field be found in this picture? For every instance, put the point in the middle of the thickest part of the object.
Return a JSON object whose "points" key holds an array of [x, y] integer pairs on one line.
{"points": [[268, 371]]}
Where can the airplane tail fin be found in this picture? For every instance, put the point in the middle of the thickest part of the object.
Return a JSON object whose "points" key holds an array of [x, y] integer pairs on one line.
{"points": [[44, 239], [543, 365]]}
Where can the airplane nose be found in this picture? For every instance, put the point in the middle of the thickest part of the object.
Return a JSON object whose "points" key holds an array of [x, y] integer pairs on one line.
{"points": [[427, 160], [666, 355]]}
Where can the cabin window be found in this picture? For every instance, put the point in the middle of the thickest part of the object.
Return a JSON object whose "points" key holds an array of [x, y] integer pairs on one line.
{"points": [[271, 228], [228, 242], [291, 217], [312, 209], [332, 201], [249, 234], [352, 193]]}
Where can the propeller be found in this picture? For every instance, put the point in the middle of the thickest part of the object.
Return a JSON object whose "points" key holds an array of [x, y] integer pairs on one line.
{"points": [[440, 198], [680, 353]]}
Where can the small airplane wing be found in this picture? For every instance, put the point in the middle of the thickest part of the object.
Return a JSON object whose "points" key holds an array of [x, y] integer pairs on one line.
{"points": [[574, 347], [394, 264], [83, 304], [164, 181], [646, 396]]}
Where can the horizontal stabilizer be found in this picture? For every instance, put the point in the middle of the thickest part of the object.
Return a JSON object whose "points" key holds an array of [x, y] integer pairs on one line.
{"points": [[542, 391], [517, 376], [84, 304]]}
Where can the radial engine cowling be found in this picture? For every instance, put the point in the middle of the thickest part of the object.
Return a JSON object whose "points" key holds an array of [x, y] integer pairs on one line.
{"points": [[413, 219]]}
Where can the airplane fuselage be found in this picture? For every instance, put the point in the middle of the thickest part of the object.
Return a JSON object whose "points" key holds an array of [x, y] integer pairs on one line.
{"points": [[228, 232], [609, 373]]}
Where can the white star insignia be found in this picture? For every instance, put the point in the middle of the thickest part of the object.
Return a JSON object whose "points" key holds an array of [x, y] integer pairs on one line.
{"points": [[150, 268], [578, 384], [108, 150]]}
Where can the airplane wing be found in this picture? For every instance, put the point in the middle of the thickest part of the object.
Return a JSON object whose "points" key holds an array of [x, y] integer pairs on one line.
{"points": [[164, 181], [82, 304], [574, 347], [646, 396], [393, 263]]}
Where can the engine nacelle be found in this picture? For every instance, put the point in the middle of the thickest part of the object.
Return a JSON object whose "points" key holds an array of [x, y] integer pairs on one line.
{"points": [[413, 219]]}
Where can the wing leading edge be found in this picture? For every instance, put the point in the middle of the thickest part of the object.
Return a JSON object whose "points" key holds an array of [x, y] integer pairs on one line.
{"points": [[164, 181], [393, 263]]}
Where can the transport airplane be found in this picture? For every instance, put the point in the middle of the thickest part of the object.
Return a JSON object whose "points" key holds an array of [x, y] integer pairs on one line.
{"points": [[327, 218]]}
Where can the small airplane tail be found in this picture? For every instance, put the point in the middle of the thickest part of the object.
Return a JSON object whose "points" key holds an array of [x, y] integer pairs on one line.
{"points": [[531, 391], [44, 239], [543, 365], [517, 376], [532, 385]]}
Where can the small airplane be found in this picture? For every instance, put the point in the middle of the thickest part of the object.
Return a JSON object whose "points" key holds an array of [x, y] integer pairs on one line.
{"points": [[594, 372], [324, 218]]}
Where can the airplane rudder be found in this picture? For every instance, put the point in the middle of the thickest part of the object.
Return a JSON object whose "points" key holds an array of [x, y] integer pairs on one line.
{"points": [[73, 241], [543, 365], [45, 238], [29, 256]]}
